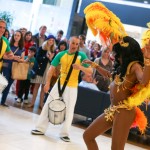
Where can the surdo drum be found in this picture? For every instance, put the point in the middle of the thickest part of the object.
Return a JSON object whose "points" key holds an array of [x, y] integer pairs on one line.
{"points": [[3, 83], [57, 111]]}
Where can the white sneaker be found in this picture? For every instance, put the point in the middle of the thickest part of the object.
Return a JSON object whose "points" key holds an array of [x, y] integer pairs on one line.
{"points": [[37, 132], [18, 100], [65, 139], [26, 101]]}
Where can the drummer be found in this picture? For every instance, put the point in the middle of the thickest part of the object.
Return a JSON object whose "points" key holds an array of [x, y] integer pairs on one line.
{"points": [[5, 51], [63, 58]]}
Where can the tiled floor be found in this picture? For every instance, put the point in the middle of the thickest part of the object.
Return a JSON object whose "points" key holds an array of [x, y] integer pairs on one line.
{"points": [[15, 127], [17, 121]]}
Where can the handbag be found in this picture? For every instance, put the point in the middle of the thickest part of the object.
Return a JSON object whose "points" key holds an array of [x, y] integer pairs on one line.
{"points": [[19, 70], [57, 107]]}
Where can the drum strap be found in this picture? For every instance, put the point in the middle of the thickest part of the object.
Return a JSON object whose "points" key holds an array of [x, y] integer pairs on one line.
{"points": [[68, 76], [1, 46]]}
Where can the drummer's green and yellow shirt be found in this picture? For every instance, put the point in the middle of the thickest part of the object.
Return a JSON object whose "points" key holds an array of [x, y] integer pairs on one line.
{"points": [[3, 48], [65, 59]]}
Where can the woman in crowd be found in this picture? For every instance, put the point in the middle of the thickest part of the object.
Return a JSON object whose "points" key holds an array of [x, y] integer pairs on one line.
{"points": [[16, 45], [61, 46], [28, 42], [90, 44], [43, 60], [96, 51], [105, 62], [24, 85]]}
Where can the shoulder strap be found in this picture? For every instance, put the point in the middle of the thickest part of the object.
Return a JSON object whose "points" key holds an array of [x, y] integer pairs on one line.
{"points": [[68, 76], [16, 50], [129, 66], [1, 45]]}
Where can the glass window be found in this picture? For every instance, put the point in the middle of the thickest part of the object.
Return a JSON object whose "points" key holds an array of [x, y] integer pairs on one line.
{"points": [[50, 2], [139, 1], [29, 1]]}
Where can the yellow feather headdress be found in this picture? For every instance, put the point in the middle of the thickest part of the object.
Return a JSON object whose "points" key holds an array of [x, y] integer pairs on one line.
{"points": [[103, 21], [146, 36]]}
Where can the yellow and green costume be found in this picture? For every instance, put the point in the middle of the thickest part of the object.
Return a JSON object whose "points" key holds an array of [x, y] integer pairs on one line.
{"points": [[65, 59], [4, 47]]}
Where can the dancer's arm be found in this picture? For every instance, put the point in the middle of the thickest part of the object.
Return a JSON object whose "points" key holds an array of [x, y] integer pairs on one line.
{"points": [[143, 75], [101, 70]]}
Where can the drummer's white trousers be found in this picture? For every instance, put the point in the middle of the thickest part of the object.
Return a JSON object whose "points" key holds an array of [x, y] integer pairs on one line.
{"points": [[70, 97]]}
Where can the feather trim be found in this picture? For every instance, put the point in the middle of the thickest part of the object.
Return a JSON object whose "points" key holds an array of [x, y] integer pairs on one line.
{"points": [[140, 95], [101, 20], [140, 121]]}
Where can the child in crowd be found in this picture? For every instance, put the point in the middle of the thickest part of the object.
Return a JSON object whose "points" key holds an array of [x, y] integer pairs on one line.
{"points": [[25, 84]]}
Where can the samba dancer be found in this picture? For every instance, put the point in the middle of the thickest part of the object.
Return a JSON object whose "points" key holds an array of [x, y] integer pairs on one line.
{"points": [[130, 86]]}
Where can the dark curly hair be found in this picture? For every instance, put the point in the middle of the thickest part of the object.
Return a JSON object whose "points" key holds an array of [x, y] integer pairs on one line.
{"points": [[127, 54], [62, 43]]}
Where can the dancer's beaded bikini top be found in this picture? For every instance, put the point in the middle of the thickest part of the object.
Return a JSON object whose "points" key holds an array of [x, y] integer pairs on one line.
{"points": [[119, 82]]}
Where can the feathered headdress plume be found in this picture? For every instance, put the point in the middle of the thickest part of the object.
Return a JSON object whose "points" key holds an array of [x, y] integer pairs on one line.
{"points": [[146, 36], [103, 21]]}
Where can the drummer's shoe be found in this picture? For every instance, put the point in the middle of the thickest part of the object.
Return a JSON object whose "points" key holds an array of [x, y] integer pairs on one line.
{"points": [[37, 132], [65, 138]]}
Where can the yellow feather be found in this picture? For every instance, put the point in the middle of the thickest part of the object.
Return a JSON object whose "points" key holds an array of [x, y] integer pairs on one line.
{"points": [[139, 97], [100, 18]]}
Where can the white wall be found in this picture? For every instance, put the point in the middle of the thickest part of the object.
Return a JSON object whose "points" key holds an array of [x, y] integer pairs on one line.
{"points": [[33, 15], [20, 11]]}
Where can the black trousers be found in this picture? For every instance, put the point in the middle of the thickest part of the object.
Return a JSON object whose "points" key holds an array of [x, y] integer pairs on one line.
{"points": [[24, 89]]}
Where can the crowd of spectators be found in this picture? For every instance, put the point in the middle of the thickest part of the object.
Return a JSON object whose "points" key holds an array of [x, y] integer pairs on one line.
{"points": [[45, 48]]}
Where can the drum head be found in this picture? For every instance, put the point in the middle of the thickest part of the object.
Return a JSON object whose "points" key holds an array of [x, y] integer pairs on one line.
{"points": [[3, 83], [57, 105]]}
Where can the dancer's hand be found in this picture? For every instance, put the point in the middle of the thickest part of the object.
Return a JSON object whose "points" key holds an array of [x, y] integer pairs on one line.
{"points": [[147, 50], [76, 66], [87, 61], [95, 81]]}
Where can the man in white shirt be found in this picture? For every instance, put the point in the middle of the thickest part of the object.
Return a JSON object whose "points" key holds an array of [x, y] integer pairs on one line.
{"points": [[88, 82]]}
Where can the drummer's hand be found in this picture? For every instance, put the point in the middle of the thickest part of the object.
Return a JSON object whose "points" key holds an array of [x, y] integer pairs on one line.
{"points": [[147, 50], [46, 88], [87, 61]]}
